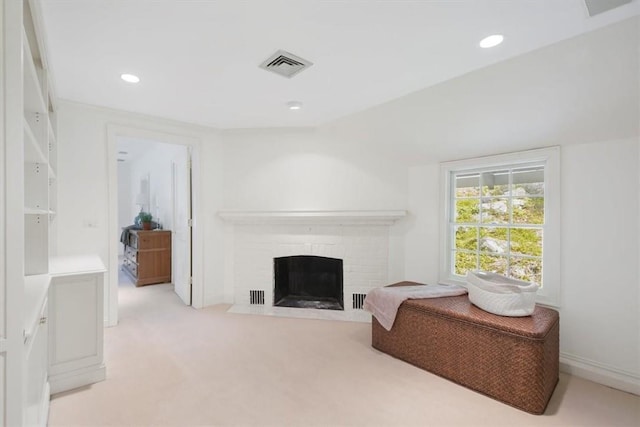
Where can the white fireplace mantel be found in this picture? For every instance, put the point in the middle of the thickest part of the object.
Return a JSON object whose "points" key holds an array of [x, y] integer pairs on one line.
{"points": [[369, 217]]}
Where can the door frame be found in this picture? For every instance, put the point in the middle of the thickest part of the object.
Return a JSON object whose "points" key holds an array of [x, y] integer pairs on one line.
{"points": [[113, 133], [174, 207]]}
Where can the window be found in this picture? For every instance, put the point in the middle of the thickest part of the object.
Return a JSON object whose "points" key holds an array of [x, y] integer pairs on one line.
{"points": [[502, 214]]}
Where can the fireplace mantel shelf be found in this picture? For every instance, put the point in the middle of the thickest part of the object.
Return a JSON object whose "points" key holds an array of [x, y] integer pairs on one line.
{"points": [[313, 217]]}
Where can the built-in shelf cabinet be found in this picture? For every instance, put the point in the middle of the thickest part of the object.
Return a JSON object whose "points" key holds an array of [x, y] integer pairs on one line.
{"points": [[38, 355], [40, 155], [76, 356], [36, 344]]}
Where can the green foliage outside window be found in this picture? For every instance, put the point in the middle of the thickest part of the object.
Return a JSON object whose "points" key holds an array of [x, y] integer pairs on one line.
{"points": [[467, 210], [529, 210], [485, 238], [465, 261]]}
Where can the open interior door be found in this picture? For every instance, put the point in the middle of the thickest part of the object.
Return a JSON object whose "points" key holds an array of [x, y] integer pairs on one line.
{"points": [[181, 233]]}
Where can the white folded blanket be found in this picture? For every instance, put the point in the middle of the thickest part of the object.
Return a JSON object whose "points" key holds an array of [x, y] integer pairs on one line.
{"points": [[383, 303]]}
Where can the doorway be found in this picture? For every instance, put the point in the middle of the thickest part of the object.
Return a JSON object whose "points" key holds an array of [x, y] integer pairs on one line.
{"points": [[153, 173], [154, 183]]}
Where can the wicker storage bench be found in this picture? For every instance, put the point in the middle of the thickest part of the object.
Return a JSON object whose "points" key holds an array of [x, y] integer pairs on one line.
{"points": [[511, 359]]}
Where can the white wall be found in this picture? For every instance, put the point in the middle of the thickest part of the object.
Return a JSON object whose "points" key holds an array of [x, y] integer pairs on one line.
{"points": [[217, 289], [299, 169], [302, 169], [155, 164], [83, 182], [422, 237], [599, 326], [600, 317], [289, 169]]}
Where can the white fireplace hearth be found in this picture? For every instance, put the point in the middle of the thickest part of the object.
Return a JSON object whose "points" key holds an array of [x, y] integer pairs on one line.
{"points": [[359, 238], [302, 313]]}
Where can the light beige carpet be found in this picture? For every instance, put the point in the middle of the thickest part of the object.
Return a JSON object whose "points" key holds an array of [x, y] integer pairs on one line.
{"points": [[168, 364]]}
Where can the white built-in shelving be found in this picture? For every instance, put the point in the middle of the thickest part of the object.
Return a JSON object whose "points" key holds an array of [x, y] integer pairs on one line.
{"points": [[40, 155], [53, 162], [27, 203]]}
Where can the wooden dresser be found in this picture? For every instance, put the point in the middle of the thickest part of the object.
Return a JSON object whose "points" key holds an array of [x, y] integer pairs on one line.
{"points": [[147, 256]]}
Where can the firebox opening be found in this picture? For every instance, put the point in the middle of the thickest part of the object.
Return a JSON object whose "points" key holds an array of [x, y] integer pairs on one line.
{"points": [[306, 281]]}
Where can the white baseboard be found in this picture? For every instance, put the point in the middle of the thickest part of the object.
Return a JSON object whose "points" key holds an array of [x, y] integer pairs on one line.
{"points": [[77, 378], [216, 299], [600, 373], [44, 411]]}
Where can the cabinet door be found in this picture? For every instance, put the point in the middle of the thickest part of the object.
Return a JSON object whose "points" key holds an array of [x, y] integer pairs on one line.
{"points": [[76, 323], [37, 387]]}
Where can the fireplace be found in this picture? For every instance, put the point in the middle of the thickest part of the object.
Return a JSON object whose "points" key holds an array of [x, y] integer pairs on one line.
{"points": [[361, 239], [306, 281]]}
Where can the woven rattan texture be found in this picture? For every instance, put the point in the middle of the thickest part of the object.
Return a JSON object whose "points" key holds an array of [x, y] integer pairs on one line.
{"points": [[534, 326], [496, 356]]}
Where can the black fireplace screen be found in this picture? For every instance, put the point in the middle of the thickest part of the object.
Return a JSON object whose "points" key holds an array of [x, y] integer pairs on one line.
{"points": [[306, 281]]}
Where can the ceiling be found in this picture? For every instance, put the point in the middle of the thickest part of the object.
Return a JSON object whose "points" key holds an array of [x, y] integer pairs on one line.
{"points": [[198, 61]]}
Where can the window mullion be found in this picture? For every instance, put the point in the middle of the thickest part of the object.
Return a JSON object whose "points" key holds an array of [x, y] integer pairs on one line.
{"points": [[510, 199], [479, 224]]}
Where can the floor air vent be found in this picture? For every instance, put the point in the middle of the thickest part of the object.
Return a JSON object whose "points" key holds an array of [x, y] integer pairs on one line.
{"points": [[358, 301], [256, 297], [285, 64]]}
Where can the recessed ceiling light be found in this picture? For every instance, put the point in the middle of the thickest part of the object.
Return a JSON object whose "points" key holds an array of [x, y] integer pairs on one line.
{"points": [[294, 105], [130, 78], [491, 41], [122, 152]]}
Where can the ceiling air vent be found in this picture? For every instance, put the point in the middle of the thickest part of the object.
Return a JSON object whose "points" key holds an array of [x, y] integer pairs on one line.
{"points": [[595, 7], [285, 64]]}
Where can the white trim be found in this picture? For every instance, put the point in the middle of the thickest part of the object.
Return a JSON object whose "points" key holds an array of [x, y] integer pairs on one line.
{"points": [[38, 29], [13, 389], [215, 300], [44, 404], [78, 378], [163, 122], [600, 373], [352, 315], [313, 217], [550, 293], [113, 132]]}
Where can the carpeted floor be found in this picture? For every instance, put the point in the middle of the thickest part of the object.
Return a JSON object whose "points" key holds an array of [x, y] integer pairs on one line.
{"points": [[168, 364]]}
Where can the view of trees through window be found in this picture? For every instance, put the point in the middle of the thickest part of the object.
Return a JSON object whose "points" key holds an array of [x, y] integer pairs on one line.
{"points": [[497, 220]]}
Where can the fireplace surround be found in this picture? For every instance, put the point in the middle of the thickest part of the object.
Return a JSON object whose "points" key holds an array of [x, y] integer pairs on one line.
{"points": [[359, 238]]}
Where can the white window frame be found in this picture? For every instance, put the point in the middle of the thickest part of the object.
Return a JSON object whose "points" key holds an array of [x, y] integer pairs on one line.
{"points": [[549, 294]]}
